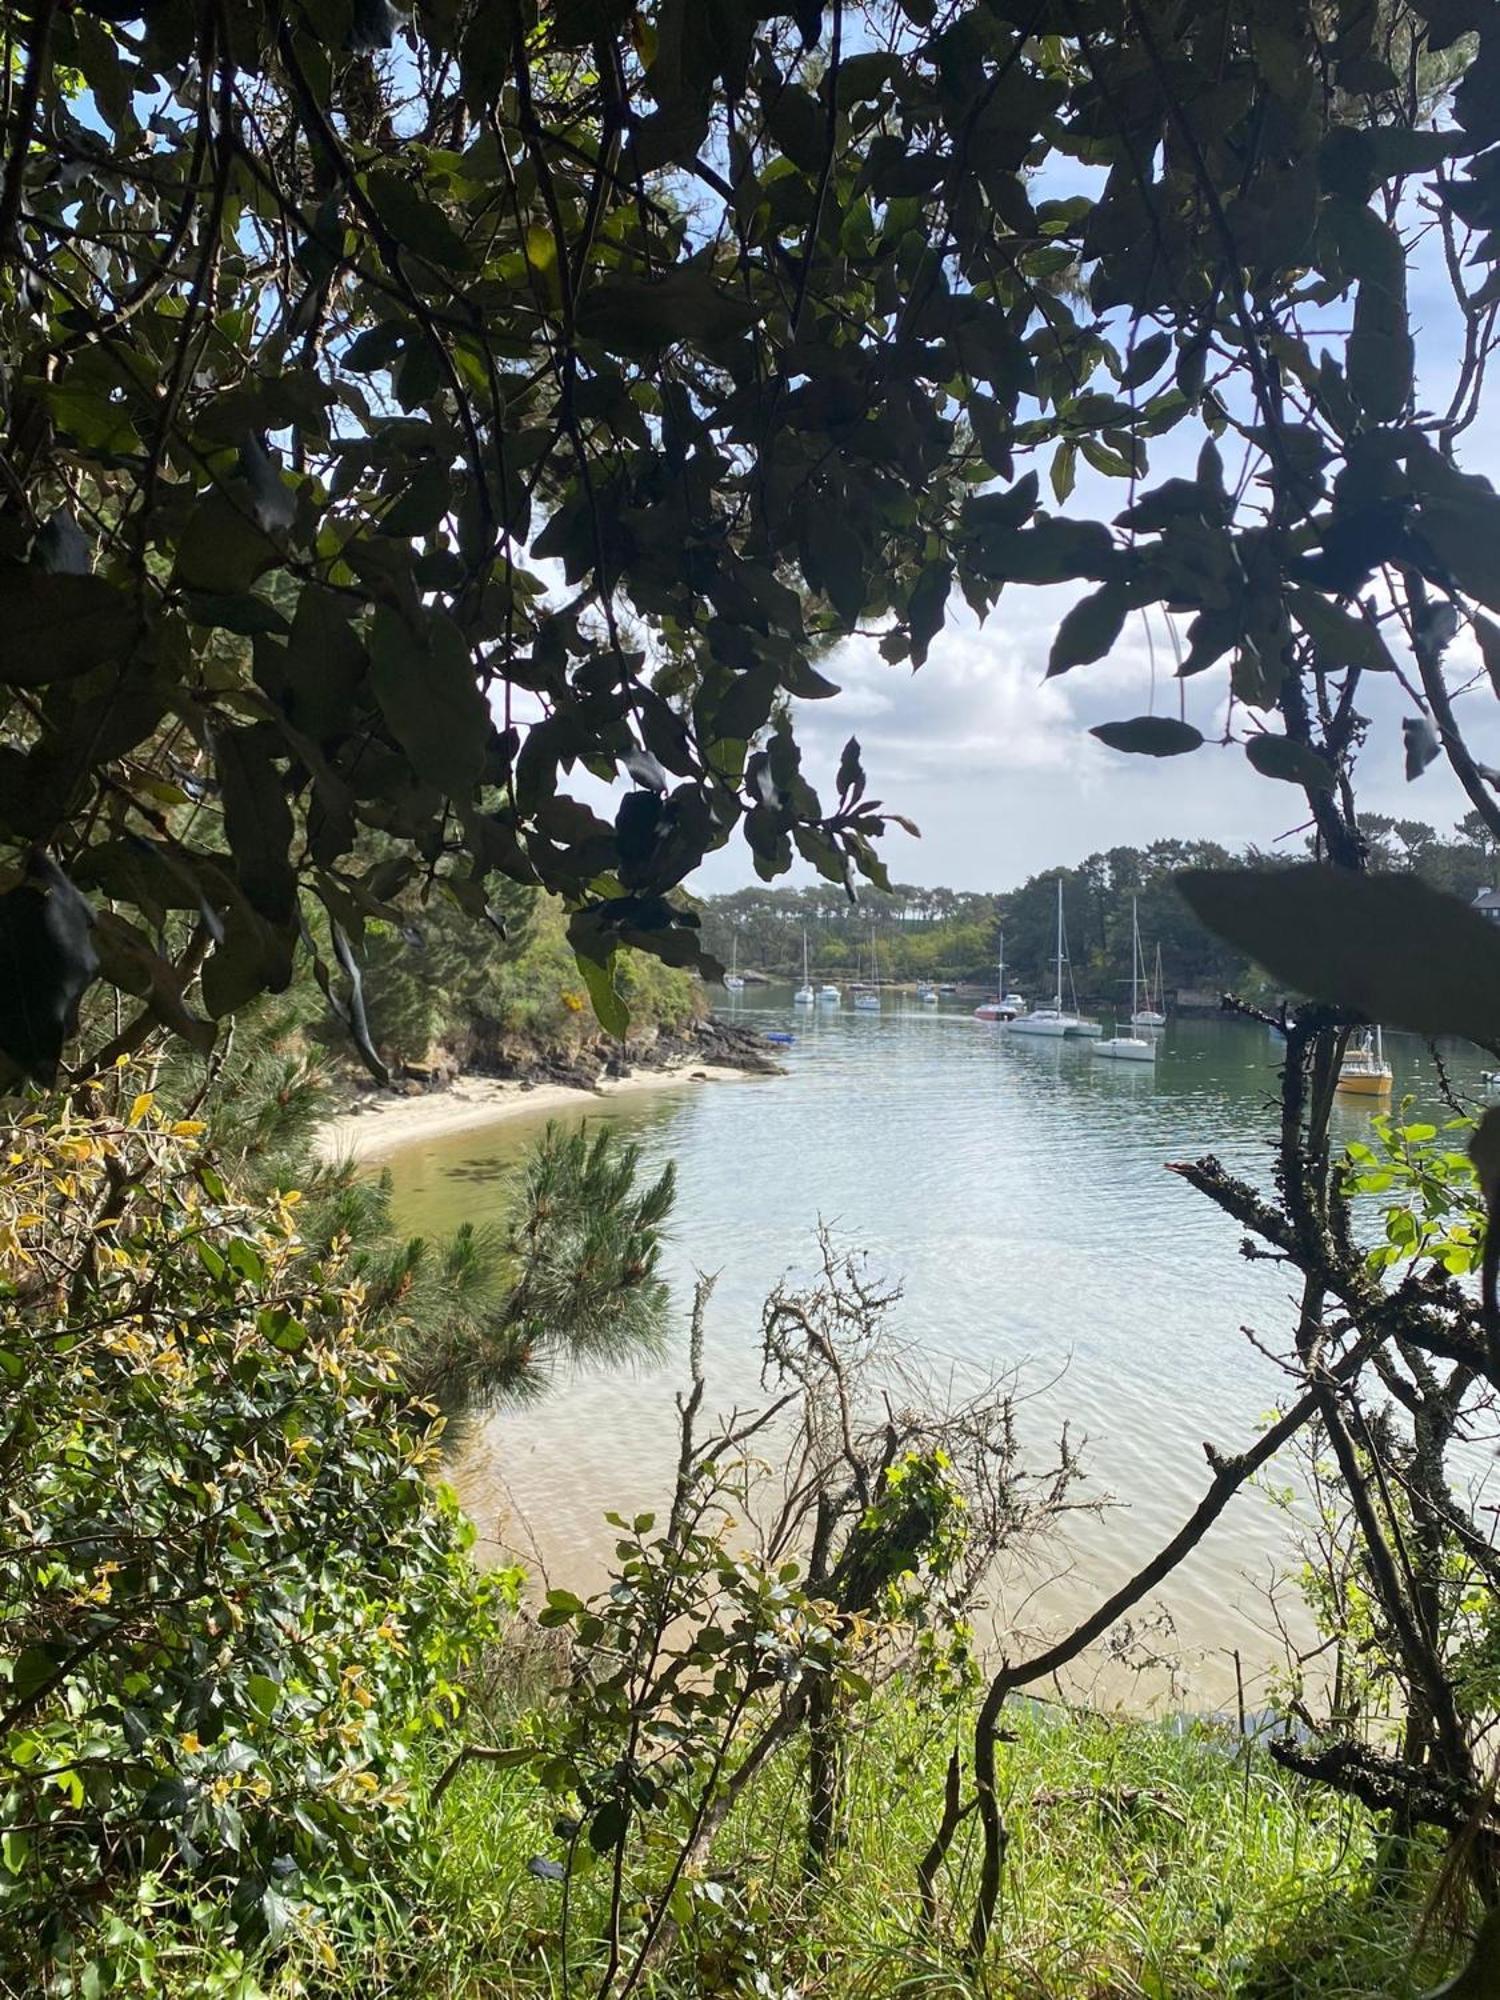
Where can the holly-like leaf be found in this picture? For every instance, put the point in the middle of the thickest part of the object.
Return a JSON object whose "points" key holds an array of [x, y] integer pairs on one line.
{"points": [[1381, 355]]}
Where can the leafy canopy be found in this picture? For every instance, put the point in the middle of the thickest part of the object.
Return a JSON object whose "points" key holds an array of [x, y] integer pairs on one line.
{"points": [[407, 411]]}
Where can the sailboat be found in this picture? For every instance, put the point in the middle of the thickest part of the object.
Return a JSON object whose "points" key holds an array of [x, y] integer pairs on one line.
{"points": [[867, 998], [1052, 1020], [1005, 1006], [1364, 1072], [1152, 1015], [1130, 1048], [805, 994], [732, 981]]}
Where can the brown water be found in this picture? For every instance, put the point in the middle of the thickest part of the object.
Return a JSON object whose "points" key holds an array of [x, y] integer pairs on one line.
{"points": [[1018, 1191]]}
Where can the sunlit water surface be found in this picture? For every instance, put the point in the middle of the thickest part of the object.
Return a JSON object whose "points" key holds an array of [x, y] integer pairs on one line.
{"points": [[1019, 1191]]}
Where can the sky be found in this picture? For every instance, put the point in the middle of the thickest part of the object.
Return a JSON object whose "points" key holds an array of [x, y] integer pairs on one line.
{"points": [[995, 764]]}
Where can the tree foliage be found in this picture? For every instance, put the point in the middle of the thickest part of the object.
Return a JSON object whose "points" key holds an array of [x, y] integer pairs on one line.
{"points": [[406, 411]]}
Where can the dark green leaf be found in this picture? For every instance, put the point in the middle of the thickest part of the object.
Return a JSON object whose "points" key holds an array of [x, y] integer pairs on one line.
{"points": [[1089, 629], [1146, 359], [1296, 763], [1387, 947], [1341, 639], [424, 680], [223, 549], [56, 626], [416, 222], [257, 822], [611, 1011], [1464, 535], [1380, 356], [1149, 736], [1488, 636]]}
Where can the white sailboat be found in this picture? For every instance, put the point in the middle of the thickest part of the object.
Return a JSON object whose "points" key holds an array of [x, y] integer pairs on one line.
{"points": [[732, 981], [867, 998], [1152, 1015], [805, 994], [1130, 1048], [1053, 1021], [832, 995], [1004, 1008]]}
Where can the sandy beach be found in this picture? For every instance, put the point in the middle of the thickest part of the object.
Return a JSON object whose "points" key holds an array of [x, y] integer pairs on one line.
{"points": [[368, 1127]]}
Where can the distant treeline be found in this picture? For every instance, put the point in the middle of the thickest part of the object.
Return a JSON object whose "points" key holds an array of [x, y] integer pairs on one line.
{"points": [[948, 934]]}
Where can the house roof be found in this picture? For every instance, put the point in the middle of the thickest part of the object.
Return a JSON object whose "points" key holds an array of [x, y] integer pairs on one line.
{"points": [[1486, 899]]}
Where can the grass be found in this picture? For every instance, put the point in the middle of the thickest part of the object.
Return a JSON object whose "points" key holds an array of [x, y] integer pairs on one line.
{"points": [[1146, 1860]]}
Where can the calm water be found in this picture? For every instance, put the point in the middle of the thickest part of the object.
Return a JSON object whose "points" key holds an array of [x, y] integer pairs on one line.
{"points": [[1018, 1190]]}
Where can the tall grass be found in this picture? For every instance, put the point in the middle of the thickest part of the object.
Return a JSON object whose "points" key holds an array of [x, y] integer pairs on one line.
{"points": [[1146, 1860]]}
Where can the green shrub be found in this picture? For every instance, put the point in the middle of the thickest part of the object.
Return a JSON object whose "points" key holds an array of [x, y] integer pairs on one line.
{"points": [[231, 1599]]}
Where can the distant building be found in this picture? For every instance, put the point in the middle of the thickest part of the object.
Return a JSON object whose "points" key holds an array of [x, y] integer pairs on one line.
{"points": [[1487, 903]]}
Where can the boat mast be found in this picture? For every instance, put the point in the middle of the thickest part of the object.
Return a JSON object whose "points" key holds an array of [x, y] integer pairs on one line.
{"points": [[1058, 1001], [1000, 995], [1135, 959]]}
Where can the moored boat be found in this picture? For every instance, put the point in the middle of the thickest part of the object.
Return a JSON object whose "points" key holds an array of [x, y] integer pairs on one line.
{"points": [[1054, 1021], [1133, 1047], [1004, 1008], [1364, 1072], [1153, 1014], [805, 994]]}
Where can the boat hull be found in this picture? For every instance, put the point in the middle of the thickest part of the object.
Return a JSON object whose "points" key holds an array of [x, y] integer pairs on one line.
{"points": [[1121, 1048], [1365, 1083], [1055, 1030]]}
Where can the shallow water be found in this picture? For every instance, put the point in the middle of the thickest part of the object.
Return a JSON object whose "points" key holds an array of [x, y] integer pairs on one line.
{"points": [[1018, 1190]]}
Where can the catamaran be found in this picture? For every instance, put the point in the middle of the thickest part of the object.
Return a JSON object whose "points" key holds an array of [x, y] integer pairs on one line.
{"points": [[1153, 1014], [805, 994], [1005, 1006], [1364, 1072], [732, 981], [1053, 1020], [1130, 1048]]}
